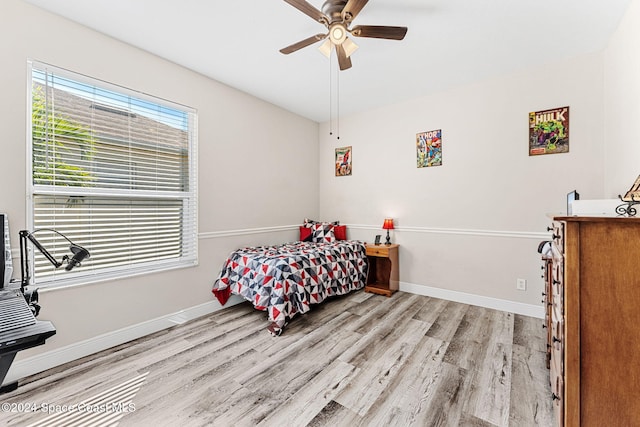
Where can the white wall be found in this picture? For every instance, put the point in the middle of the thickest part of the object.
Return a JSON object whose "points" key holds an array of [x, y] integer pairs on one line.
{"points": [[245, 170], [622, 104], [473, 224]]}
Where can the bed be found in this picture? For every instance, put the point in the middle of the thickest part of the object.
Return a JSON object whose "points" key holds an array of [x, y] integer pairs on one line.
{"points": [[287, 279]]}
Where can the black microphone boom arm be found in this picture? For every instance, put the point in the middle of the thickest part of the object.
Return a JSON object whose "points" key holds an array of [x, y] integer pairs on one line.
{"points": [[79, 254]]}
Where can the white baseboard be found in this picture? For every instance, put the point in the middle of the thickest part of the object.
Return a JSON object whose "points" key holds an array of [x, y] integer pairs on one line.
{"points": [[481, 301], [51, 359]]}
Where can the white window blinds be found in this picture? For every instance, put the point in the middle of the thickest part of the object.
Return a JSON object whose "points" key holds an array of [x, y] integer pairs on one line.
{"points": [[113, 170]]}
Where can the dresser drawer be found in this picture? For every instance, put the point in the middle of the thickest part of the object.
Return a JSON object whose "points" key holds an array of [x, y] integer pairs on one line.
{"points": [[380, 251], [557, 371], [557, 236], [557, 285], [557, 396], [557, 334]]}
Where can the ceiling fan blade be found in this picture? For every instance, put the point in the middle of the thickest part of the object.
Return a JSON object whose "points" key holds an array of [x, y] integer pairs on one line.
{"points": [[309, 10], [303, 43], [343, 60], [352, 9], [379, 32]]}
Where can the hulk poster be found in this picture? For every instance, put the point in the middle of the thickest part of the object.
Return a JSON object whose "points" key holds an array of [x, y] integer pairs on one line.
{"points": [[549, 131]]}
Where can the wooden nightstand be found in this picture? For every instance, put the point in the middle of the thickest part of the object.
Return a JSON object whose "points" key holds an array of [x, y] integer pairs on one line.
{"points": [[384, 274]]}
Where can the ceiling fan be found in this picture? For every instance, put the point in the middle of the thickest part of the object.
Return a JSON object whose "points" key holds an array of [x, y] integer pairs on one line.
{"points": [[337, 15]]}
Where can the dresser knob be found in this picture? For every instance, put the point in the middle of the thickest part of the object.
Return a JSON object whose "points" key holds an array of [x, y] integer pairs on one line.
{"points": [[555, 339], [555, 396], [544, 326], [556, 282], [549, 228], [555, 236]]}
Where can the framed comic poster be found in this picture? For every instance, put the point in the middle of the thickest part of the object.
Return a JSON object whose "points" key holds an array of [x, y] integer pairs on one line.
{"points": [[429, 148], [343, 161], [549, 131]]}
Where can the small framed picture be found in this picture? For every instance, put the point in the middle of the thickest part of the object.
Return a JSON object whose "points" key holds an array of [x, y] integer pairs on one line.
{"points": [[378, 237], [343, 161], [549, 131], [429, 148]]}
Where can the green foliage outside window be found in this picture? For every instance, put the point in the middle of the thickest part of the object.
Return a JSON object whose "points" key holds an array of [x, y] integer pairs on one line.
{"points": [[60, 146]]}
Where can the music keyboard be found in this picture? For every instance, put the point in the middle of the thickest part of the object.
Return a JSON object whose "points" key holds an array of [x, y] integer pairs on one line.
{"points": [[19, 330]]}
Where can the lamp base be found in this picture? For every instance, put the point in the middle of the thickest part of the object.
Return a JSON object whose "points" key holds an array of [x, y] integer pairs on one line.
{"points": [[388, 242]]}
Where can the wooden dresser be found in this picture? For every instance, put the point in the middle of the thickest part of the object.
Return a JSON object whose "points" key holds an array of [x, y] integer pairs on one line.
{"points": [[594, 334]]}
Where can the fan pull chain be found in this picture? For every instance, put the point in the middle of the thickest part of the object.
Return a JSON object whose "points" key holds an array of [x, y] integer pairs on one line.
{"points": [[331, 99], [338, 105], [330, 96]]}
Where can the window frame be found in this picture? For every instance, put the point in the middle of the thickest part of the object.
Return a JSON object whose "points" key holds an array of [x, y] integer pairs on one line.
{"points": [[189, 238]]}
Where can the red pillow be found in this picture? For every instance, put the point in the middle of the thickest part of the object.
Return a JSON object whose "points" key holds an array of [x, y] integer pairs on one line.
{"points": [[340, 232], [305, 233]]}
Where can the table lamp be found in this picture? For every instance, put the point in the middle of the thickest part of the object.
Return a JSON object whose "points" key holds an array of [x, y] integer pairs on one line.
{"points": [[388, 225]]}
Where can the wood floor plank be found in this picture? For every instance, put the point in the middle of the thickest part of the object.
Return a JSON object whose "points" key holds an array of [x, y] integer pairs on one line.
{"points": [[448, 322], [489, 399], [357, 360], [411, 394], [384, 309], [447, 397], [281, 350], [530, 397], [335, 415], [399, 316], [468, 345], [303, 406], [378, 371], [431, 310], [528, 332], [300, 368]]}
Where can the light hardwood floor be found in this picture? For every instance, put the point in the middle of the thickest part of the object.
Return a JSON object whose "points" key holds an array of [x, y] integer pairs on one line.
{"points": [[357, 360]]}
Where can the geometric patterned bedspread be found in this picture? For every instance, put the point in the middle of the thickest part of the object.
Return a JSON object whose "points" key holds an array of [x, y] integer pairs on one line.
{"points": [[287, 279]]}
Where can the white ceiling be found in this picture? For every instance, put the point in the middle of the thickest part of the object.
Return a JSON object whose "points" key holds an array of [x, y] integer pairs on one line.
{"points": [[449, 42]]}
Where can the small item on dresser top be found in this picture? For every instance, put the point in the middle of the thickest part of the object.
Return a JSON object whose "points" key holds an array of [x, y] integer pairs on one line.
{"points": [[631, 198], [571, 197], [596, 207]]}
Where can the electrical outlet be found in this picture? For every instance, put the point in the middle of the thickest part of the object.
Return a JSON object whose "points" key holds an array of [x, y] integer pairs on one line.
{"points": [[521, 284]]}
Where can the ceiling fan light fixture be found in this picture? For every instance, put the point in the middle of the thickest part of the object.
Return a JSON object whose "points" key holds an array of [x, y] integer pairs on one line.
{"points": [[337, 33], [325, 48], [349, 47]]}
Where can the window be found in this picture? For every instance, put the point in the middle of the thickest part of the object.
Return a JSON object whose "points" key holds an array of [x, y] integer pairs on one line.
{"points": [[115, 171]]}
